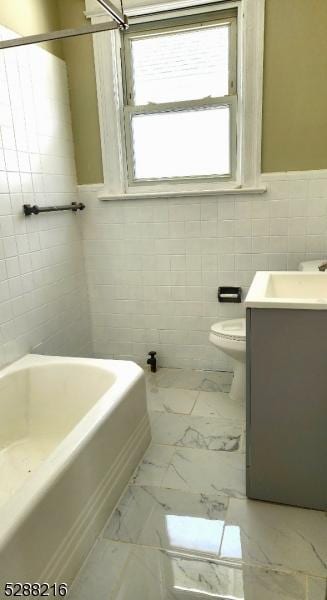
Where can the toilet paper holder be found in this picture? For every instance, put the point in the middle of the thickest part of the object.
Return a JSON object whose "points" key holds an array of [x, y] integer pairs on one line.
{"points": [[229, 294]]}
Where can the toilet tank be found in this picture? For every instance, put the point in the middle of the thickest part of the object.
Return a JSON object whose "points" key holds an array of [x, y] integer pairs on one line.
{"points": [[311, 265]]}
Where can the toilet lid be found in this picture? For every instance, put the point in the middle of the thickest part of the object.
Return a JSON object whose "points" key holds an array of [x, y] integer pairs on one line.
{"points": [[233, 329]]}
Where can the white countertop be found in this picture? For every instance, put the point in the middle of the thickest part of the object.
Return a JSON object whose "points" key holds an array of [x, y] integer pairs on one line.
{"points": [[288, 289]]}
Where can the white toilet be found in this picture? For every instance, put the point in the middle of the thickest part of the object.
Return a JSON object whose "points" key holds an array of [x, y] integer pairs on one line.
{"points": [[230, 337]]}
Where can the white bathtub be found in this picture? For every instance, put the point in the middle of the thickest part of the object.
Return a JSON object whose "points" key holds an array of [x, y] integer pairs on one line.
{"points": [[72, 431]]}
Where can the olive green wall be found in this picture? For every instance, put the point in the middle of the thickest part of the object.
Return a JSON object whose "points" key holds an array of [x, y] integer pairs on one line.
{"points": [[295, 86], [32, 16], [78, 54]]}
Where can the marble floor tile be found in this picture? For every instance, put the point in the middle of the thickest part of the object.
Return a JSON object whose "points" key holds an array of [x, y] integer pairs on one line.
{"points": [[215, 382], [205, 471], [144, 578], [102, 572], [210, 381], [263, 584], [116, 571], [281, 537], [163, 378], [189, 522], [170, 400], [191, 380], [129, 517], [218, 404], [317, 588], [184, 530], [196, 432], [160, 575], [154, 465], [169, 519], [243, 440]]}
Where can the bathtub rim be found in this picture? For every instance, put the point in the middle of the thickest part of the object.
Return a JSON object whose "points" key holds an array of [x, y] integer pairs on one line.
{"points": [[34, 489]]}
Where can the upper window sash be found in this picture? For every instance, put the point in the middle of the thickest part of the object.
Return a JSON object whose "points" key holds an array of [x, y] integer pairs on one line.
{"points": [[161, 28]]}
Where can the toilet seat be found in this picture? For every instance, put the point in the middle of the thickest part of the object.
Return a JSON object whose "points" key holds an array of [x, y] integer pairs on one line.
{"points": [[233, 329]]}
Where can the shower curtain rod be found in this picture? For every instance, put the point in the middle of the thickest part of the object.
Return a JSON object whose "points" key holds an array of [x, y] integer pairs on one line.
{"points": [[117, 15], [120, 22]]}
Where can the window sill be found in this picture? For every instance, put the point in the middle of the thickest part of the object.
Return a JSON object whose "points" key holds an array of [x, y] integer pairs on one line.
{"points": [[238, 191]]}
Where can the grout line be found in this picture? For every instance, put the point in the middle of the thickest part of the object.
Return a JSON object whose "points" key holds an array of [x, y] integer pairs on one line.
{"points": [[206, 557], [306, 583], [216, 452], [195, 402], [180, 448], [213, 495], [213, 418]]}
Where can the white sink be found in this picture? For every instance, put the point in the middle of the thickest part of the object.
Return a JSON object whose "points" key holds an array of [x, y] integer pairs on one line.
{"points": [[288, 289]]}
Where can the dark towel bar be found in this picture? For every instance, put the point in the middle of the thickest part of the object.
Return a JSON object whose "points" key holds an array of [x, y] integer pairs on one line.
{"points": [[35, 210]]}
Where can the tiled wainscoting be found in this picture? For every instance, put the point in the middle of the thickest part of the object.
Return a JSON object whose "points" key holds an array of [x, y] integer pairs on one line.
{"points": [[183, 529], [43, 301], [154, 266]]}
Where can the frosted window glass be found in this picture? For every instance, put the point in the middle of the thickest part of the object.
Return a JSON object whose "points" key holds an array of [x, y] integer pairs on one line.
{"points": [[181, 66], [182, 143]]}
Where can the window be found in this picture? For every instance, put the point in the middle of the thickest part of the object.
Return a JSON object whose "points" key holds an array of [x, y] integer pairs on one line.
{"points": [[181, 123], [180, 99]]}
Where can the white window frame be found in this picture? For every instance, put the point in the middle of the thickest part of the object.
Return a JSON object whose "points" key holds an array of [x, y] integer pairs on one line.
{"points": [[107, 53], [230, 99]]}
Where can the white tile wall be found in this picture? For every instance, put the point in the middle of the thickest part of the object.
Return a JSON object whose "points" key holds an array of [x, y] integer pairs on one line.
{"points": [[43, 299], [154, 266]]}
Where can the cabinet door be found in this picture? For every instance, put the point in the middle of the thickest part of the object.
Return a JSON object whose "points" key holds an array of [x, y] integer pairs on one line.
{"points": [[287, 406]]}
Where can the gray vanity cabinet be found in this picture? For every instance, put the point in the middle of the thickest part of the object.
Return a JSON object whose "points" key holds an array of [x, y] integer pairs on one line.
{"points": [[287, 406]]}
